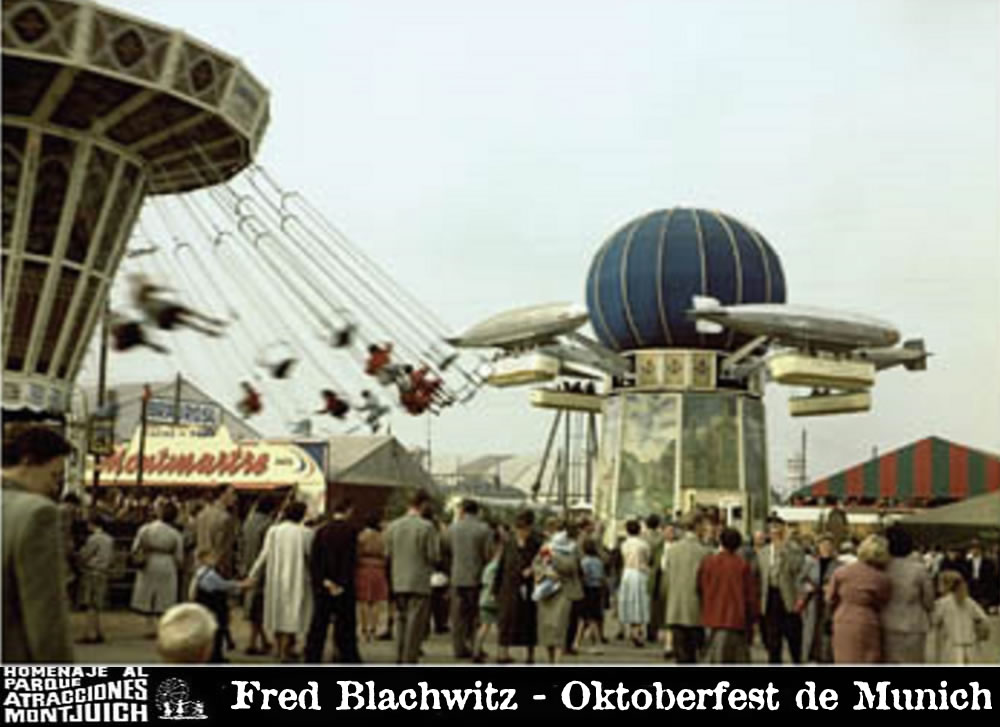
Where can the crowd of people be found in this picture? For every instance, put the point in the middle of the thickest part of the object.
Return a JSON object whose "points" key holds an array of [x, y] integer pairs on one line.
{"points": [[690, 586]]}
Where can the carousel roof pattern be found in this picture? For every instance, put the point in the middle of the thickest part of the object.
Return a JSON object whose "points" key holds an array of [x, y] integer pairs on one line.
{"points": [[173, 103]]}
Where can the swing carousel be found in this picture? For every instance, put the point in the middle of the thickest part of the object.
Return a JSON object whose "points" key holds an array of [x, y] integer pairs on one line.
{"points": [[133, 209]]}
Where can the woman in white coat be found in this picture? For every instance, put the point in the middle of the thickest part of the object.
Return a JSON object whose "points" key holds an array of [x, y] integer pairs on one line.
{"points": [[287, 587], [161, 548]]}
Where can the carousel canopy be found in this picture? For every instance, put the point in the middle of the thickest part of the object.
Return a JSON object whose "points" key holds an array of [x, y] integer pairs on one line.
{"points": [[930, 469]]}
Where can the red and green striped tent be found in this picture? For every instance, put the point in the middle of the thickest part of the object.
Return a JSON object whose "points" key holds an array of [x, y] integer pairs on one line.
{"points": [[927, 470]]}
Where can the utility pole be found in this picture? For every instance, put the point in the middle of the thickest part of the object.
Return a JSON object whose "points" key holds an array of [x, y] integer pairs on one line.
{"points": [[102, 375], [146, 395], [177, 401], [805, 476], [566, 461]]}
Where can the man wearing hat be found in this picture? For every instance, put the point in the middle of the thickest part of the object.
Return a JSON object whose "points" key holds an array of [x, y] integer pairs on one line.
{"points": [[781, 563]]}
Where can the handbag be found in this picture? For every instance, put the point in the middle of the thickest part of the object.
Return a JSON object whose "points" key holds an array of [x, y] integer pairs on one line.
{"points": [[137, 557]]}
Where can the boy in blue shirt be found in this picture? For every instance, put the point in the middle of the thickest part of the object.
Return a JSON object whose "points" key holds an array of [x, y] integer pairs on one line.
{"points": [[212, 591]]}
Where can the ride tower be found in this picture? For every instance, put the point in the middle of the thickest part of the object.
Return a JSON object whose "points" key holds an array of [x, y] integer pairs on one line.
{"points": [[685, 426], [100, 109]]}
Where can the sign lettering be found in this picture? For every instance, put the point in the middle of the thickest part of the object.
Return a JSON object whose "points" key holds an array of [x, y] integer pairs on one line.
{"points": [[233, 463]]}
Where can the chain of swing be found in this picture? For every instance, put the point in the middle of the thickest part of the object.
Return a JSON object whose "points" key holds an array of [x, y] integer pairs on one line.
{"points": [[281, 256]]}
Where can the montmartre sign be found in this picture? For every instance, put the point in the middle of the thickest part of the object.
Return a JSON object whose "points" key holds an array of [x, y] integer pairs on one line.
{"points": [[173, 459]]}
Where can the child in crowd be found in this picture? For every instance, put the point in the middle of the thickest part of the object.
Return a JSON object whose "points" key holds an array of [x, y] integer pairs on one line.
{"points": [[489, 609], [958, 621], [594, 583], [96, 556], [212, 591], [186, 633]]}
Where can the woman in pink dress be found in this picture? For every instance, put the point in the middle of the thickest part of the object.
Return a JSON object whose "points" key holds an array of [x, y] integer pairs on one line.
{"points": [[370, 578], [858, 592]]}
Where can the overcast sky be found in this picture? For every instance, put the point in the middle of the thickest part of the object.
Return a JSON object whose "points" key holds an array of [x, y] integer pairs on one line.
{"points": [[480, 152]]}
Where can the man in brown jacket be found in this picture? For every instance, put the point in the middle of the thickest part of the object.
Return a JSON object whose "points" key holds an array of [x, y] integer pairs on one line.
{"points": [[217, 530], [35, 605]]}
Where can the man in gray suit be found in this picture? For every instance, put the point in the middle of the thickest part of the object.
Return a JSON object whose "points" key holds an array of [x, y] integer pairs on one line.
{"points": [[781, 563], [35, 605], [470, 540], [680, 573], [412, 548]]}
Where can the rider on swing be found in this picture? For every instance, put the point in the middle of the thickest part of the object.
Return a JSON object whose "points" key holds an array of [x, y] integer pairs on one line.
{"points": [[334, 405], [250, 404], [167, 314]]}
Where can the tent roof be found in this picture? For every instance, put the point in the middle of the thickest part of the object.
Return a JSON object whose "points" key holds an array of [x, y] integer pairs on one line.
{"points": [[130, 407], [929, 469], [374, 462], [976, 512]]}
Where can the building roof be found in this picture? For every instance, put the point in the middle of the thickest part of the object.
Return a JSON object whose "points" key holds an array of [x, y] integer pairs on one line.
{"points": [[929, 469], [374, 462]]}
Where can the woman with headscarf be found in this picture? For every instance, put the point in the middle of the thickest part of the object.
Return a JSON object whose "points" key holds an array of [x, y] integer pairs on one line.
{"points": [[557, 561], [858, 592]]}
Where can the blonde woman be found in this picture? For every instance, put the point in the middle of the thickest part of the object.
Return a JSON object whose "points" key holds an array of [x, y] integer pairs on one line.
{"points": [[959, 622], [858, 592]]}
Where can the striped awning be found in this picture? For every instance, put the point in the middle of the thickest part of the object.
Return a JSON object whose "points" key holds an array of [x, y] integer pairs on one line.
{"points": [[930, 469]]}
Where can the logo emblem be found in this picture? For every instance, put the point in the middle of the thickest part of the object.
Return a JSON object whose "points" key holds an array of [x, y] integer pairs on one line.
{"points": [[173, 701]]}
